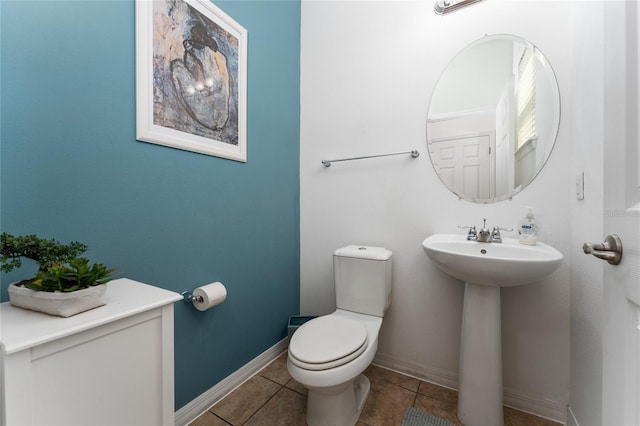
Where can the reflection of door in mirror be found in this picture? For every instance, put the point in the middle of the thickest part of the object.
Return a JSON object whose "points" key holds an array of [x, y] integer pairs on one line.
{"points": [[463, 158], [505, 179]]}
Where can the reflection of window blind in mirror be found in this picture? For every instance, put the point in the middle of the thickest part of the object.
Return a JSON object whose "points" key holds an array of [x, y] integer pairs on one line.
{"points": [[526, 98]]}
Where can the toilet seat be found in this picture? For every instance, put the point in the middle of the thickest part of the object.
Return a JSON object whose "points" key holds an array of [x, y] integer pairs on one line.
{"points": [[327, 342]]}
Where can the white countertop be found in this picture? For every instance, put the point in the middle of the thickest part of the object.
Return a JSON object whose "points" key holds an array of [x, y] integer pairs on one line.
{"points": [[22, 329]]}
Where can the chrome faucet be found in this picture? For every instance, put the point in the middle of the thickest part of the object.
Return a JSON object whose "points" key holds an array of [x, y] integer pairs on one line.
{"points": [[484, 235], [472, 235], [495, 234]]}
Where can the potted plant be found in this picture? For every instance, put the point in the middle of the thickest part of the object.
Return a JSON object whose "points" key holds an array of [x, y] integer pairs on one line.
{"points": [[64, 285]]}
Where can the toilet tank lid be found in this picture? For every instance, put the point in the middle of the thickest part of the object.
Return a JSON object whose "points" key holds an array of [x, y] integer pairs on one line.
{"points": [[364, 252]]}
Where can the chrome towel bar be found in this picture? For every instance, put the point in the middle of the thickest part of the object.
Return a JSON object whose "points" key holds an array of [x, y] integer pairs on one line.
{"points": [[414, 154]]}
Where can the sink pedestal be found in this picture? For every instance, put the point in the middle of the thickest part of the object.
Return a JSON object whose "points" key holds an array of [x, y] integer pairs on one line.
{"points": [[485, 268], [480, 373]]}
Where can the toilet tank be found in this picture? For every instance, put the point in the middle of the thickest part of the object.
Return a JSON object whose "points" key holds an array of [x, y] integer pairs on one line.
{"points": [[362, 278]]}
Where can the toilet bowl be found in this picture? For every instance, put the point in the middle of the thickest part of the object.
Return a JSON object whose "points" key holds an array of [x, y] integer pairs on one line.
{"points": [[328, 354], [337, 389]]}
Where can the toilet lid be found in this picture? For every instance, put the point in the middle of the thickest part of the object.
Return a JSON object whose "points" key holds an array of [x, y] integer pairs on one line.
{"points": [[328, 342]]}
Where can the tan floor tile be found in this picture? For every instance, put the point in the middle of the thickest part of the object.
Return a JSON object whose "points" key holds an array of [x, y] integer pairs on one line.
{"points": [[444, 410], [286, 408], [277, 370], [373, 372], [208, 419], [438, 392], [386, 404], [294, 385], [520, 418], [262, 401], [242, 403]]}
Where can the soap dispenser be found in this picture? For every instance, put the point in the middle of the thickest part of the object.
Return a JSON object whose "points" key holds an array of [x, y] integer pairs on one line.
{"points": [[528, 229]]}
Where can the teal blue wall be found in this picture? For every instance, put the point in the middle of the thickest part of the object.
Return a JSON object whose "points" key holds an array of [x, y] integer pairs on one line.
{"points": [[71, 169]]}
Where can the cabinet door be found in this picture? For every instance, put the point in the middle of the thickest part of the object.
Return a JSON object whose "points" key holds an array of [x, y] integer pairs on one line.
{"points": [[111, 375]]}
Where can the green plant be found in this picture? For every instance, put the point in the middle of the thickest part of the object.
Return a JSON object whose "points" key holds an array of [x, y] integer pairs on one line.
{"points": [[44, 252], [75, 275], [59, 267]]}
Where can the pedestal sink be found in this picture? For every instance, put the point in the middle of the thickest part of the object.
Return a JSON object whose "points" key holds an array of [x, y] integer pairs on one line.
{"points": [[485, 267]]}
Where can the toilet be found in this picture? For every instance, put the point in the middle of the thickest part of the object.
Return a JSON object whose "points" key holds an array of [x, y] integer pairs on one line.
{"points": [[328, 354]]}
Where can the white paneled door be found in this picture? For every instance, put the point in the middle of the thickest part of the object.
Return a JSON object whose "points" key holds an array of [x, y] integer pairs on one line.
{"points": [[463, 164], [621, 283]]}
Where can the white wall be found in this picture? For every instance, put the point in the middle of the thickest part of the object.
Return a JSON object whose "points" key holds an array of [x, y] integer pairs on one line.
{"points": [[492, 64], [587, 130], [367, 72]]}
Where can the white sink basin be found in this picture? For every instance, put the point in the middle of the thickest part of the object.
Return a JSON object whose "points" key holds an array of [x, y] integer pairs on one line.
{"points": [[505, 264]]}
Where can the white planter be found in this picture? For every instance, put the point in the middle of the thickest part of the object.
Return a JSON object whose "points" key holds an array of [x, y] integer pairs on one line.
{"points": [[58, 303]]}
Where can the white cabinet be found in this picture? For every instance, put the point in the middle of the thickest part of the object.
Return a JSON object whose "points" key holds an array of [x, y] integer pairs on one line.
{"points": [[112, 365]]}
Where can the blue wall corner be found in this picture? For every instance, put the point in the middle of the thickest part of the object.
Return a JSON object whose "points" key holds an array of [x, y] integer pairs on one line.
{"points": [[71, 169]]}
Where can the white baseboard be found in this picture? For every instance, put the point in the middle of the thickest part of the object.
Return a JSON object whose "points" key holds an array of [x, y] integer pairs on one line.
{"points": [[438, 377], [202, 403], [534, 404], [571, 418]]}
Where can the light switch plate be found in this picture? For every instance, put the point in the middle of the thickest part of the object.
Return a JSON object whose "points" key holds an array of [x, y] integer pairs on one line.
{"points": [[580, 186]]}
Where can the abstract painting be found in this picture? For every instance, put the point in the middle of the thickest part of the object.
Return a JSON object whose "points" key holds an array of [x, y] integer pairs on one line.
{"points": [[191, 77]]}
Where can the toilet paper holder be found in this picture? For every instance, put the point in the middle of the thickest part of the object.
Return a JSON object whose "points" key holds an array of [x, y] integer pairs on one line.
{"points": [[190, 298], [206, 296]]}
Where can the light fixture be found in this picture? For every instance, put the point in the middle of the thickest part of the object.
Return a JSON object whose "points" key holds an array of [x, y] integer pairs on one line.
{"points": [[443, 7]]}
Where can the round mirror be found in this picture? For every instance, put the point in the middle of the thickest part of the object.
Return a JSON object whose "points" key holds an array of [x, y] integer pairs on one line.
{"points": [[493, 118]]}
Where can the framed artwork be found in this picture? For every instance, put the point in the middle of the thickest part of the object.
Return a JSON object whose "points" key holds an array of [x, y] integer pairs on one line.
{"points": [[191, 78]]}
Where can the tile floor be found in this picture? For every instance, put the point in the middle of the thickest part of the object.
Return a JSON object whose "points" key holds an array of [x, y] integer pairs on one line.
{"points": [[272, 398]]}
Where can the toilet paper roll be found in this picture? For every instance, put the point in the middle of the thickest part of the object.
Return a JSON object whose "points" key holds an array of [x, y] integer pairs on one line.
{"points": [[211, 295]]}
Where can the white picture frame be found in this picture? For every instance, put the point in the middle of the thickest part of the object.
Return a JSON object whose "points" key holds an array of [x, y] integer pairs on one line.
{"points": [[191, 78]]}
